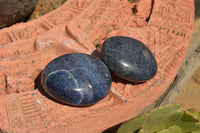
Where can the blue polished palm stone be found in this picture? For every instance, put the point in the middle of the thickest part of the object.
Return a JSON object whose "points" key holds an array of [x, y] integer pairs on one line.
{"points": [[76, 79], [129, 58]]}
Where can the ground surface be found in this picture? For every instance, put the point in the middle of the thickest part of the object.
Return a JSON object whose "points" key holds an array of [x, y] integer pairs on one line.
{"points": [[45, 6], [189, 95]]}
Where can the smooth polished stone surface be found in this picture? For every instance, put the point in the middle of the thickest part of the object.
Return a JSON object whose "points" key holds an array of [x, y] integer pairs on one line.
{"points": [[76, 79], [129, 58]]}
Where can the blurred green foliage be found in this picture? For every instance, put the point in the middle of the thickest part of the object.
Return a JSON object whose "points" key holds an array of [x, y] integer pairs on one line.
{"points": [[166, 119]]}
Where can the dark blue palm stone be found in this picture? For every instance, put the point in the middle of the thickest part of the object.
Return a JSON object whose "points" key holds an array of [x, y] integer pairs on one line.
{"points": [[129, 58], [76, 79]]}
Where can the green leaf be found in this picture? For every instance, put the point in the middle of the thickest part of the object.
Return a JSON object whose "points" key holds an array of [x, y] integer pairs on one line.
{"points": [[162, 118], [149, 120], [173, 129], [139, 131], [195, 114], [196, 132]]}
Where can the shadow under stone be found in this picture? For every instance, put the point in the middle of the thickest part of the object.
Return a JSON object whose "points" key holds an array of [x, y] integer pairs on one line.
{"points": [[117, 79]]}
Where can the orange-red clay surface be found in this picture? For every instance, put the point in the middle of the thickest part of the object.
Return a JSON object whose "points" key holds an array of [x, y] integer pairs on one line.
{"points": [[164, 26]]}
